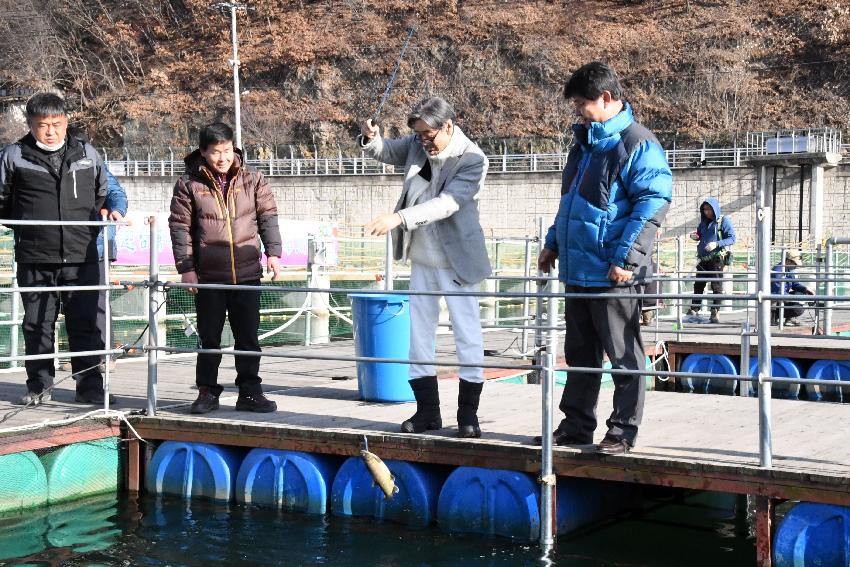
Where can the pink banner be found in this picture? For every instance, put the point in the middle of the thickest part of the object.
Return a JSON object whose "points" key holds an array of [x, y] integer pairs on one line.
{"points": [[133, 242]]}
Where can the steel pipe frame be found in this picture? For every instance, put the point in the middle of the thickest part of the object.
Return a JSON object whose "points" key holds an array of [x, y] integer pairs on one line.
{"points": [[830, 279]]}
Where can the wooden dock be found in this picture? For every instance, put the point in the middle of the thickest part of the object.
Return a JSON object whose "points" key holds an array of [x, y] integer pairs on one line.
{"points": [[705, 442]]}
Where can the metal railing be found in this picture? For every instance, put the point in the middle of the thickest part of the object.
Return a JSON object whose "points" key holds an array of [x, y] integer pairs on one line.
{"points": [[756, 144], [546, 331]]}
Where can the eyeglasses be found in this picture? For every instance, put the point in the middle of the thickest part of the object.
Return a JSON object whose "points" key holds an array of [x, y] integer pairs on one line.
{"points": [[423, 137]]}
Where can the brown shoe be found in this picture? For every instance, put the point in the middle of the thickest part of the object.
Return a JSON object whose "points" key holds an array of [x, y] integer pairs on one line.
{"points": [[205, 402], [613, 446]]}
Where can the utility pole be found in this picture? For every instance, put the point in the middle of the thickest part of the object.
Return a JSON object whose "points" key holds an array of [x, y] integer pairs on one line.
{"points": [[234, 6]]}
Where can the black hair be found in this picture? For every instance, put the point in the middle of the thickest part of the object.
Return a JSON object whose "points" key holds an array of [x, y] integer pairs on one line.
{"points": [[45, 104], [591, 80], [213, 134]]}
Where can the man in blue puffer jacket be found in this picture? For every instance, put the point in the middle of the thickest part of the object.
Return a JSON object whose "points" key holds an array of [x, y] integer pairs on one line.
{"points": [[615, 192], [714, 235]]}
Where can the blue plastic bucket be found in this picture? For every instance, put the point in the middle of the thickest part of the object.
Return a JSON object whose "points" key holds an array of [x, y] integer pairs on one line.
{"points": [[382, 330], [829, 370], [813, 535], [287, 480], [699, 363], [194, 470], [782, 368], [355, 493]]}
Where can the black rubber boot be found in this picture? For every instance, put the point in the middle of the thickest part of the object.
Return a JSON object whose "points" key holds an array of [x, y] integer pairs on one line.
{"points": [[427, 416], [251, 398], [467, 409]]}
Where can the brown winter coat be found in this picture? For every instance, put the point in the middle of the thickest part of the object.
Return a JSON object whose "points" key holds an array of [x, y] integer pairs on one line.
{"points": [[215, 235]]}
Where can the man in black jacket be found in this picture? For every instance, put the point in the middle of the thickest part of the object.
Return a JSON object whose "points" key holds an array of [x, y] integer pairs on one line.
{"points": [[49, 176]]}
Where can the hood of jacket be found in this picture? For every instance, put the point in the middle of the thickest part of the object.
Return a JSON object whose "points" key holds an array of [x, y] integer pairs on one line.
{"points": [[715, 206]]}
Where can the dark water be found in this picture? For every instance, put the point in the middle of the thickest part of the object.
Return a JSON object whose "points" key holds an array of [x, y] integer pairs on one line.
{"points": [[695, 529]]}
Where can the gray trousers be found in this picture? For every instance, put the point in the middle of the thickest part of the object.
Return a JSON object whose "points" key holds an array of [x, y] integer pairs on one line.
{"points": [[595, 326]]}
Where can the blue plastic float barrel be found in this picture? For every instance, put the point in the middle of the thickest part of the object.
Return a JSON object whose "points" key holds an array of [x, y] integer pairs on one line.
{"points": [[813, 535], [194, 470], [415, 504], [781, 368], [507, 503], [288, 480], [829, 370], [709, 364], [490, 502], [382, 330], [82, 469], [23, 482]]}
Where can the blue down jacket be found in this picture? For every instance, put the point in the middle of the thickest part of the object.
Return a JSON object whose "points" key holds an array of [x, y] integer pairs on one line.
{"points": [[615, 192]]}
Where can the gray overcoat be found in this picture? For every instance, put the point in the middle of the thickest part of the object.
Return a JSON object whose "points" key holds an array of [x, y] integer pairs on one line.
{"points": [[461, 177]]}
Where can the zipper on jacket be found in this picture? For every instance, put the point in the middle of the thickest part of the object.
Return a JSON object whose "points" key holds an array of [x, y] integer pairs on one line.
{"points": [[227, 210], [224, 210], [74, 177]]}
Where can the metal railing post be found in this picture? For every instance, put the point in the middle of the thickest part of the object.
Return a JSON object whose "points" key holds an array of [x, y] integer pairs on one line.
{"points": [[13, 330], [153, 316], [744, 373], [829, 267], [538, 314], [107, 315], [526, 288], [781, 282], [496, 271], [388, 261], [764, 356], [819, 287], [680, 266], [547, 478]]}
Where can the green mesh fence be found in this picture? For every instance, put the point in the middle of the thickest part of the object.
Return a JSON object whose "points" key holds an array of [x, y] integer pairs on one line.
{"points": [[360, 265]]}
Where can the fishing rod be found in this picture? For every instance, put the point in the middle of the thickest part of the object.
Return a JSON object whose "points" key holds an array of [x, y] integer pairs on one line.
{"points": [[391, 82]]}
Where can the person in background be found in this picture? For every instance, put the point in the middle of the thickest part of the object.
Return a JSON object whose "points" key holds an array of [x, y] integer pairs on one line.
{"points": [[220, 211], [783, 280], [714, 235], [49, 175]]}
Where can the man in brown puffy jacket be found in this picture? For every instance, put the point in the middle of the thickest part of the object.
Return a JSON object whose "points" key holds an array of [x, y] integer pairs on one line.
{"points": [[219, 211]]}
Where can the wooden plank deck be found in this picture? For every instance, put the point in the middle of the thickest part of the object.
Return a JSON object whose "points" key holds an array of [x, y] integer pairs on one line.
{"points": [[693, 441]]}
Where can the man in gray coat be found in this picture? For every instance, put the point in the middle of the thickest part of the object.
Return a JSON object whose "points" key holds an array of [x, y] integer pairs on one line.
{"points": [[436, 227]]}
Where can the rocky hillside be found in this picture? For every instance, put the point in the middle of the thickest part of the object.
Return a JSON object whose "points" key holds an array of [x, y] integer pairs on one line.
{"points": [[148, 72]]}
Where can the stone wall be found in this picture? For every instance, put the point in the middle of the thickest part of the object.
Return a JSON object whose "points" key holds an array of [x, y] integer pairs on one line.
{"points": [[512, 201]]}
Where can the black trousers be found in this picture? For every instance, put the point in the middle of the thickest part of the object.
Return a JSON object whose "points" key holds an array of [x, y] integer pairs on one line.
{"points": [[790, 309], [242, 309], [41, 311], [594, 326], [704, 276]]}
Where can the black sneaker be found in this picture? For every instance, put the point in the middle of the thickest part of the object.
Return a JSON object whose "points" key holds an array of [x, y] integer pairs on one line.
{"points": [[205, 402], [92, 397], [33, 399], [255, 401]]}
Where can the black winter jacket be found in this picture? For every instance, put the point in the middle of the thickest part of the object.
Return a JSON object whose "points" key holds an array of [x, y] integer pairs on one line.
{"points": [[32, 189]]}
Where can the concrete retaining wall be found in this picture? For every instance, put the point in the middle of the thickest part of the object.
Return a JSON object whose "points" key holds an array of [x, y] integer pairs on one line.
{"points": [[512, 201]]}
